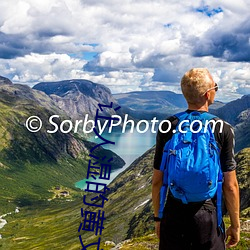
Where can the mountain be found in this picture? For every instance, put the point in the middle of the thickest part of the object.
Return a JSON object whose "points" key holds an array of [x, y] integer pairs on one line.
{"points": [[243, 174], [216, 105], [160, 104], [152, 102], [31, 164], [4, 80], [130, 202], [232, 110], [242, 130], [78, 97], [237, 114]]}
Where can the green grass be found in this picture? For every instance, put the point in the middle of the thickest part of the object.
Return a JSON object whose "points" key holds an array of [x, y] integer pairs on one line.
{"points": [[244, 243], [51, 225], [31, 183]]}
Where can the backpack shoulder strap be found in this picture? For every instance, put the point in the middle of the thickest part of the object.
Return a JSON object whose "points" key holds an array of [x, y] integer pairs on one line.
{"points": [[182, 115], [208, 116]]}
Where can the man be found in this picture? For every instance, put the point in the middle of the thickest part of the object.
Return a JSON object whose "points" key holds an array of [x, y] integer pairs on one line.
{"points": [[194, 225]]}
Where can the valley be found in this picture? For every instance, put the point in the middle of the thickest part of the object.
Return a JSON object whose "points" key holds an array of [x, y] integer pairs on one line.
{"points": [[38, 171]]}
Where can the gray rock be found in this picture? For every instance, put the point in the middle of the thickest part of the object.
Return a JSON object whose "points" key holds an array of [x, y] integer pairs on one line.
{"points": [[4, 80]]}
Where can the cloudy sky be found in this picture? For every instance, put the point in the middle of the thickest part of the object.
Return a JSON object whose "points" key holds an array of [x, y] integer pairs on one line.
{"points": [[127, 45]]}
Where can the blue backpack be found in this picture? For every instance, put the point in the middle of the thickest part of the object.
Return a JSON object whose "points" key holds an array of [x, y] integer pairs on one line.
{"points": [[191, 162]]}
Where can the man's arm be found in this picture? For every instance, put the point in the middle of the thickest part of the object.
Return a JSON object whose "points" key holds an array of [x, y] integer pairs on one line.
{"points": [[156, 187], [231, 195]]}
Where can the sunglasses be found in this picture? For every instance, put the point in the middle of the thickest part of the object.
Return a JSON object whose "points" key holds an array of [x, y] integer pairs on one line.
{"points": [[216, 87]]}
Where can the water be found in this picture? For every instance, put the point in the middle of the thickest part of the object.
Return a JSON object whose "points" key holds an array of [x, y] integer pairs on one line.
{"points": [[129, 146], [3, 222]]}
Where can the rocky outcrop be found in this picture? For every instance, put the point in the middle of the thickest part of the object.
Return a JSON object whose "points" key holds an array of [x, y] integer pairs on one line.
{"points": [[237, 114], [78, 97], [232, 110], [4, 80], [242, 130], [243, 175]]}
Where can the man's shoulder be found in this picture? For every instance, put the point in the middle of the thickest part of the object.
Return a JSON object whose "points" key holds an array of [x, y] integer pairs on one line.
{"points": [[171, 118], [173, 123], [226, 127]]}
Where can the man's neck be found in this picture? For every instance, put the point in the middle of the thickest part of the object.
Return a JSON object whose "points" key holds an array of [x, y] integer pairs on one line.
{"points": [[198, 107]]}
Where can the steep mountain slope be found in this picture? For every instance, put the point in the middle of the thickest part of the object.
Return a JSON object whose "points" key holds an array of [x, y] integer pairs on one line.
{"points": [[4, 80], [232, 110], [129, 209], [237, 114], [242, 130], [32, 163], [216, 105], [130, 199], [54, 225], [78, 97], [243, 175]]}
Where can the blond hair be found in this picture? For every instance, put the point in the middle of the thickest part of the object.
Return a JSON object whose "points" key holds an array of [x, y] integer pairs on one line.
{"points": [[195, 83]]}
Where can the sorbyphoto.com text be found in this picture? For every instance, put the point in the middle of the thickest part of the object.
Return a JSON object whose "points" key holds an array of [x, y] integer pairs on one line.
{"points": [[124, 124]]}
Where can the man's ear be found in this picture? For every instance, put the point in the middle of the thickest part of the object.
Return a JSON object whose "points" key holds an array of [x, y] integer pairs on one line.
{"points": [[207, 95]]}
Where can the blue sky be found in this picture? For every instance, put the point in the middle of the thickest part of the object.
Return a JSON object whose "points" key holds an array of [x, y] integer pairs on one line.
{"points": [[126, 45]]}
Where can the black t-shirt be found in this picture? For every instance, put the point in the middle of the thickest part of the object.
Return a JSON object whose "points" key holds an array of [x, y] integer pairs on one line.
{"points": [[224, 137]]}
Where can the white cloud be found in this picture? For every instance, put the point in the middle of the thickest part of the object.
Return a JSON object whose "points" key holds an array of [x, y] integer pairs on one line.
{"points": [[31, 16], [140, 44], [34, 68]]}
